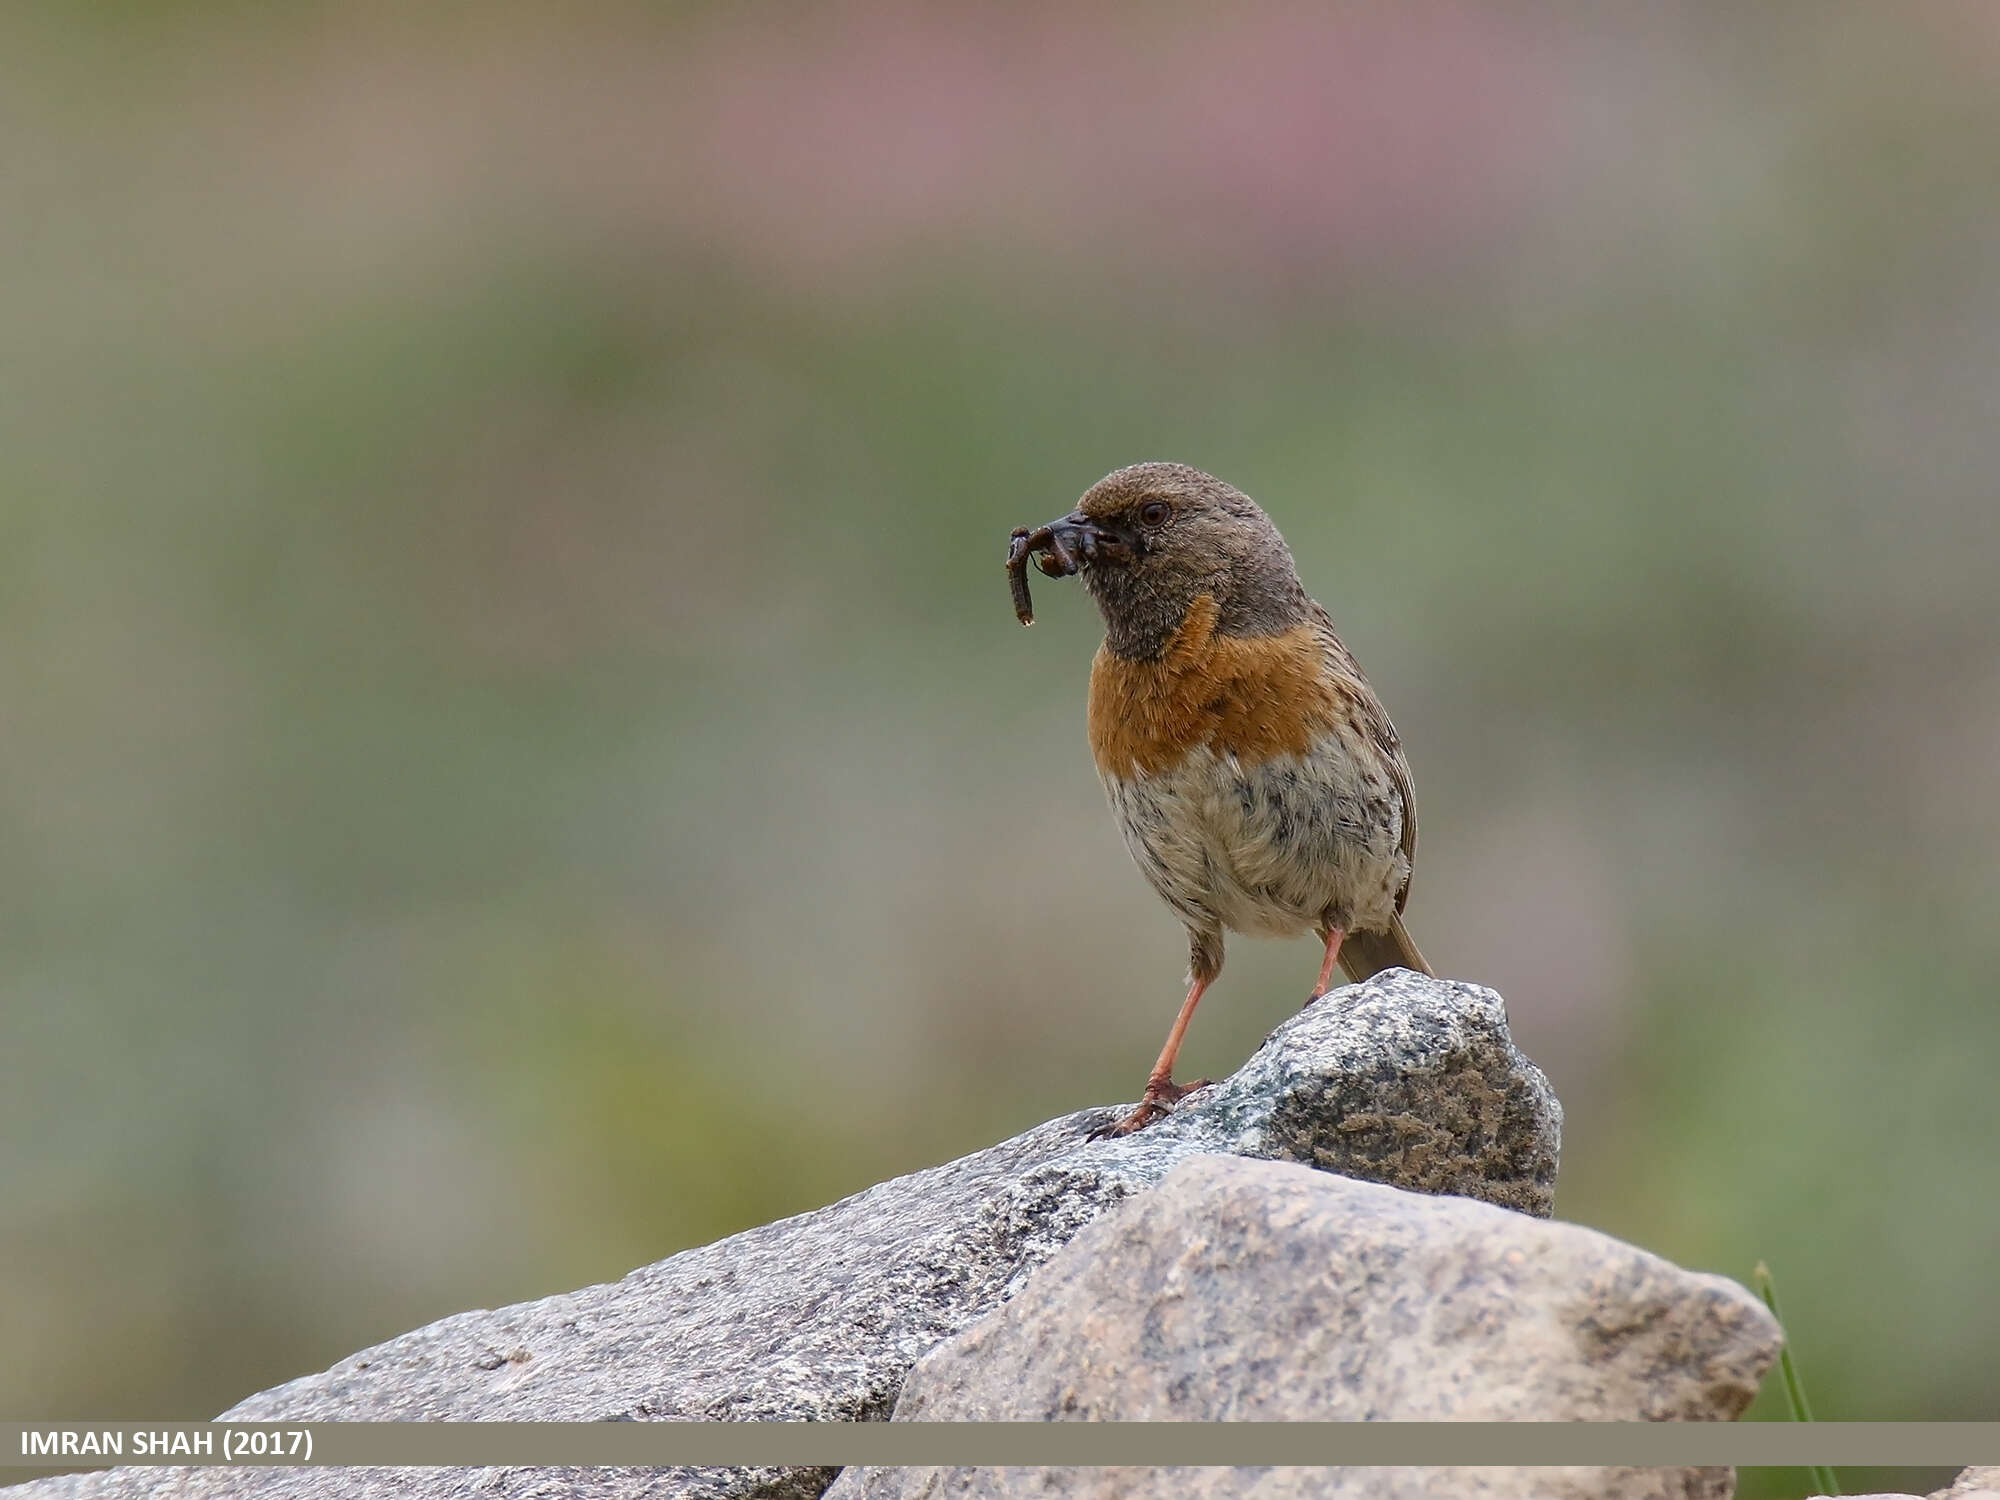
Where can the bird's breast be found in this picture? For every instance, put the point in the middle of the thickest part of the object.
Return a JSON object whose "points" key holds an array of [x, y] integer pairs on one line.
{"points": [[1249, 698]]}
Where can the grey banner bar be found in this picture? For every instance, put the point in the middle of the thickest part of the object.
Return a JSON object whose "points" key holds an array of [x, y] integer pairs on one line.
{"points": [[455, 1444]]}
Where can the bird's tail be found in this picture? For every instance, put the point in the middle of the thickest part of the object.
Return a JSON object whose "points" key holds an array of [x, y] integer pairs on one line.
{"points": [[1366, 953]]}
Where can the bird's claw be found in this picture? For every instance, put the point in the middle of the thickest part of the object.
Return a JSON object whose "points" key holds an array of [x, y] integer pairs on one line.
{"points": [[1157, 1105]]}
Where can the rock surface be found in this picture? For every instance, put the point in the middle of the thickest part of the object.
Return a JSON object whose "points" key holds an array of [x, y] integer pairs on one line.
{"points": [[1259, 1291], [1403, 1079], [1971, 1484], [1176, 1483]]}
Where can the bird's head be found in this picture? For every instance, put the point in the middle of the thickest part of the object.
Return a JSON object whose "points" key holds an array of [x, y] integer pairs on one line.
{"points": [[1151, 539]]}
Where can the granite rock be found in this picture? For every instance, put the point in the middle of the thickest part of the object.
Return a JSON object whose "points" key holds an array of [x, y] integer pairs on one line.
{"points": [[1971, 1484], [1403, 1079], [1259, 1291], [1288, 1483]]}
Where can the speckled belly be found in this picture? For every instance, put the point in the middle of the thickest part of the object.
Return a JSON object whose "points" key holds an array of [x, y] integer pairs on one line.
{"points": [[1269, 848]]}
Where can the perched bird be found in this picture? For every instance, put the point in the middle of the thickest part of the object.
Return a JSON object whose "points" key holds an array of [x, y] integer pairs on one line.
{"points": [[1258, 783]]}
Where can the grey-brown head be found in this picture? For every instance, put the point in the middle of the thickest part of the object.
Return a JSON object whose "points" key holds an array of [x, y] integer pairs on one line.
{"points": [[1150, 539]]}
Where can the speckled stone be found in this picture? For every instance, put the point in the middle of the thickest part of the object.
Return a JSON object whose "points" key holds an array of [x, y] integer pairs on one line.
{"points": [[1291, 1483], [819, 1317], [1971, 1484], [1261, 1292]]}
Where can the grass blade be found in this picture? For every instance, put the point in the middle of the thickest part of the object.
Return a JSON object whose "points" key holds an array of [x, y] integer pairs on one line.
{"points": [[1795, 1391]]}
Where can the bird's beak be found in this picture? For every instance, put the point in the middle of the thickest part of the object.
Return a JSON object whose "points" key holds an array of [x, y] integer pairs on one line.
{"points": [[1060, 549], [1080, 540]]}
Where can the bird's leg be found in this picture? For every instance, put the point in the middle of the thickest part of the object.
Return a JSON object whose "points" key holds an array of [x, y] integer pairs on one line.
{"points": [[1162, 1093], [1334, 936]]}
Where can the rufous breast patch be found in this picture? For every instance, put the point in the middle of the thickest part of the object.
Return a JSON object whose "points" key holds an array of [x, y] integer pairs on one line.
{"points": [[1254, 697]]}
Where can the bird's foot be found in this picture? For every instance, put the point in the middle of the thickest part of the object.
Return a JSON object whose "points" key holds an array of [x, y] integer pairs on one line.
{"points": [[1157, 1105]]}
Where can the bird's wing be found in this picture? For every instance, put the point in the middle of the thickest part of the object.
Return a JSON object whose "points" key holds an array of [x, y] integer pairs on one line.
{"points": [[1399, 770], [1375, 720]]}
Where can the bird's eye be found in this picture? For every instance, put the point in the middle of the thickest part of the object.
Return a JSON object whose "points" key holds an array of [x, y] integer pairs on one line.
{"points": [[1155, 513]]}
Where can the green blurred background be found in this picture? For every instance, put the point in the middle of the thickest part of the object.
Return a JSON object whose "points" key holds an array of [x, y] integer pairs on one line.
{"points": [[517, 758]]}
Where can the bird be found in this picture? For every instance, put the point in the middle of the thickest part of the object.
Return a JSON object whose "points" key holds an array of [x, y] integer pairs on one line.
{"points": [[1257, 781]]}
